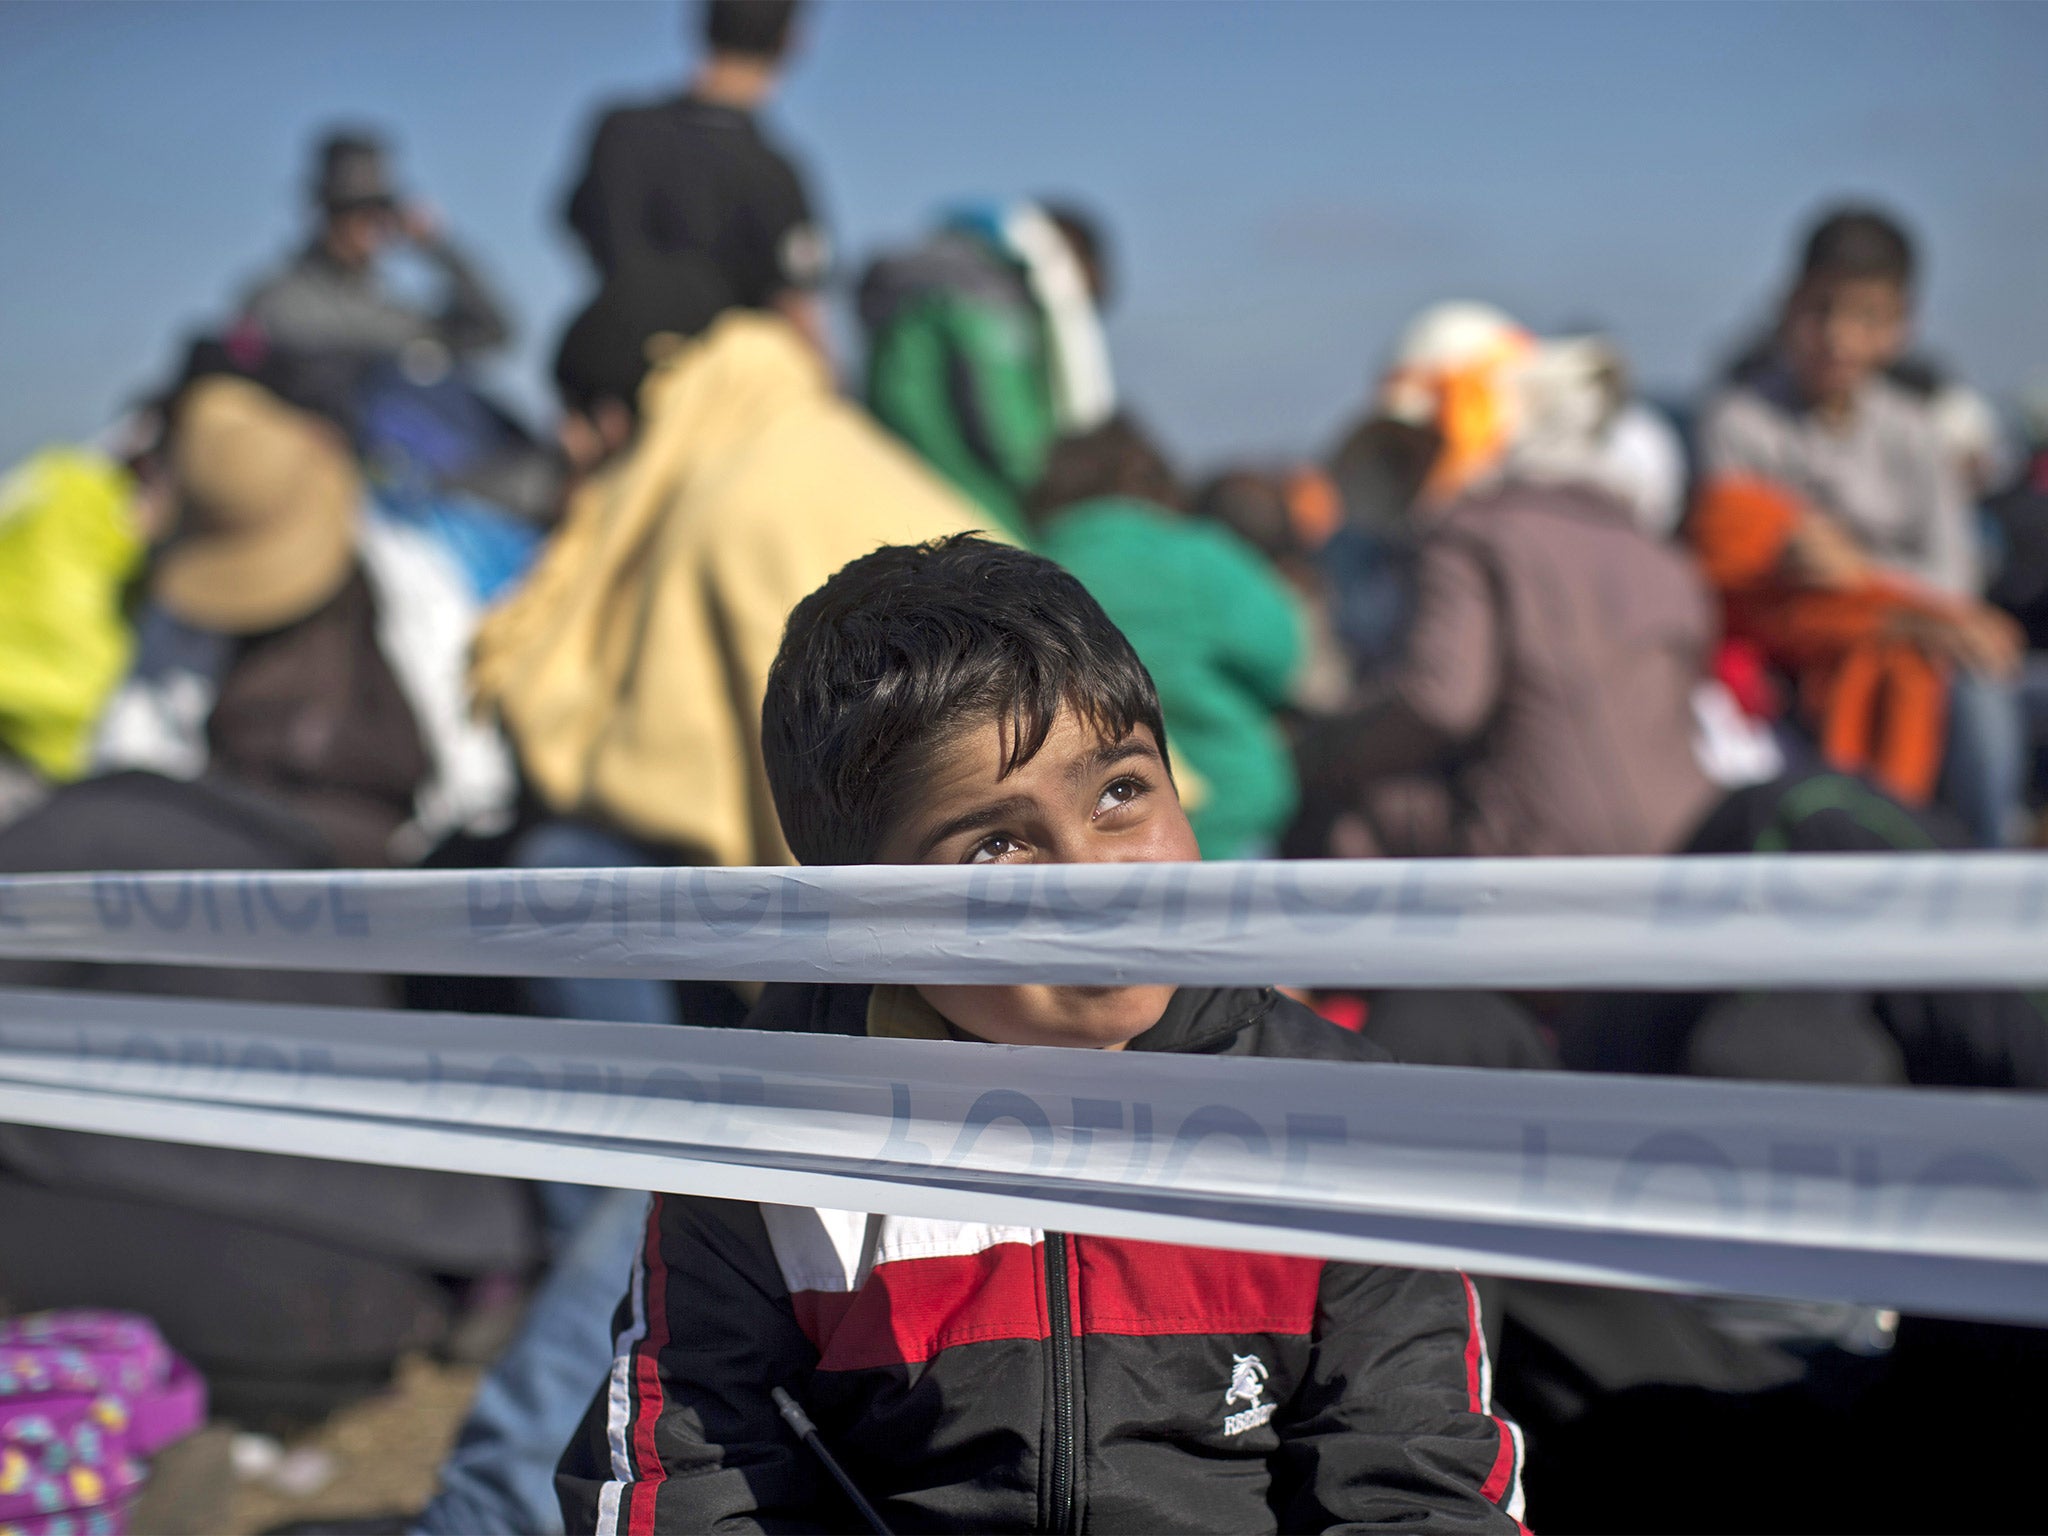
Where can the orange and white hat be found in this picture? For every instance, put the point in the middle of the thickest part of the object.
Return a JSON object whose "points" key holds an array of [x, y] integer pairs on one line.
{"points": [[1458, 369]]}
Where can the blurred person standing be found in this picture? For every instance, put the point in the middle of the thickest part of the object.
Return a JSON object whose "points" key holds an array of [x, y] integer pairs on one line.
{"points": [[1877, 501], [985, 345], [328, 300], [695, 174]]}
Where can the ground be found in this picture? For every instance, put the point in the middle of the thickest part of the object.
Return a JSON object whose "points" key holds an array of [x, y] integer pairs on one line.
{"points": [[384, 1452]]}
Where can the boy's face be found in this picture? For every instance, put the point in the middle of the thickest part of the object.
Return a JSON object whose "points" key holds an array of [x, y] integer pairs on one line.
{"points": [[1840, 331], [1081, 800]]}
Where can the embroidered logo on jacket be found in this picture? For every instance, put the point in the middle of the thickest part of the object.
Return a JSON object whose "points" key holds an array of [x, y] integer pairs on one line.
{"points": [[1247, 1385]]}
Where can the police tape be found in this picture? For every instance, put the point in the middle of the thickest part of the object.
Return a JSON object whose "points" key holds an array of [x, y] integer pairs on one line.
{"points": [[1931, 1201], [1921, 920]]}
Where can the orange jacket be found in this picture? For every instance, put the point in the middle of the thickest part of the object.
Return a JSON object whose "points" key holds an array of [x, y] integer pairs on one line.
{"points": [[1879, 704]]}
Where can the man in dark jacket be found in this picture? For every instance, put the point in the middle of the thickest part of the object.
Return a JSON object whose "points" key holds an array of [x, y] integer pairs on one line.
{"points": [[695, 175], [960, 702]]}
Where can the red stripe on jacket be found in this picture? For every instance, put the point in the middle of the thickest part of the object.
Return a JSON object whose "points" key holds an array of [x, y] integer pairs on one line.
{"points": [[911, 1309], [1503, 1471], [647, 1397]]}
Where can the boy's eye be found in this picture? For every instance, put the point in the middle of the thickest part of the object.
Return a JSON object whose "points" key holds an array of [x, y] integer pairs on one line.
{"points": [[1121, 792], [990, 849]]}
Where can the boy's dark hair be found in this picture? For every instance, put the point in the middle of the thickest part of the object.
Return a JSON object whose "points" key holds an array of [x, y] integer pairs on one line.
{"points": [[755, 29], [1117, 458], [907, 647], [603, 353], [1859, 244]]}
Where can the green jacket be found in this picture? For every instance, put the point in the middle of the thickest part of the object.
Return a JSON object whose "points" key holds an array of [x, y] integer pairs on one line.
{"points": [[1221, 635], [958, 368]]}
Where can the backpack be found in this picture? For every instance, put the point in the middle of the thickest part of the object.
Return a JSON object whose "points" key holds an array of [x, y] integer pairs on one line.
{"points": [[84, 1396]]}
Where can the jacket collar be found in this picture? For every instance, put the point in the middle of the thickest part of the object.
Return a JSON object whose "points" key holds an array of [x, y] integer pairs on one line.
{"points": [[1204, 1020]]}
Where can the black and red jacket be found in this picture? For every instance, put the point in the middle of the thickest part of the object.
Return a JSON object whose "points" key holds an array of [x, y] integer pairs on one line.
{"points": [[985, 1378]]}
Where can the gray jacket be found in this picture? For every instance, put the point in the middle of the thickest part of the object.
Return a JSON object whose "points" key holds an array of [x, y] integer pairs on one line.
{"points": [[1544, 705], [314, 304], [1884, 474]]}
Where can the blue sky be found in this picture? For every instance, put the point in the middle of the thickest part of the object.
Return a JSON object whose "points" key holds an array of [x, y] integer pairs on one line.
{"points": [[1286, 181]]}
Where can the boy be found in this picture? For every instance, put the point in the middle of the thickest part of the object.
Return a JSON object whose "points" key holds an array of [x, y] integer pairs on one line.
{"points": [[1880, 493], [959, 702]]}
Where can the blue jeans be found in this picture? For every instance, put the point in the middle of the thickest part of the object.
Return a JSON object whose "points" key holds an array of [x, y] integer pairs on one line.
{"points": [[500, 1478], [1983, 774]]}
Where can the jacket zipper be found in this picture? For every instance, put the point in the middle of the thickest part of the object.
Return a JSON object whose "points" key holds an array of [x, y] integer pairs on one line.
{"points": [[1059, 1307]]}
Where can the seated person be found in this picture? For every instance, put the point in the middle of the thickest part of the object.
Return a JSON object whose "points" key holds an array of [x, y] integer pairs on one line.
{"points": [[1218, 629], [1544, 702], [327, 334], [962, 703], [1881, 503], [301, 645]]}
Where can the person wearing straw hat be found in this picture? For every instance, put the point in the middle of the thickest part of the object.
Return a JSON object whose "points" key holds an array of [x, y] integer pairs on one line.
{"points": [[300, 647]]}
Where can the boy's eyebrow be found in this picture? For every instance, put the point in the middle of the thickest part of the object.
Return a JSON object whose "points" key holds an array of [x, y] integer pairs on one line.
{"points": [[1108, 755], [969, 821]]}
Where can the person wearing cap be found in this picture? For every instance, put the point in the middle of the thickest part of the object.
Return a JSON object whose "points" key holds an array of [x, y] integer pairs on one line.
{"points": [[327, 298]]}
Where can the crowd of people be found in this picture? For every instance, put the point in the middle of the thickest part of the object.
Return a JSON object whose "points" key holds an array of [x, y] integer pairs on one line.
{"points": [[322, 602]]}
